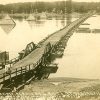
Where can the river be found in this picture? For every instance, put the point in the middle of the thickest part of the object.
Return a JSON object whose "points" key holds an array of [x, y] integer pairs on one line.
{"points": [[82, 55], [15, 38]]}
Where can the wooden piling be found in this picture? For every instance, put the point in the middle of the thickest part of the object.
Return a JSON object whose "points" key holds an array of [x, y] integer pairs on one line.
{"points": [[16, 73]]}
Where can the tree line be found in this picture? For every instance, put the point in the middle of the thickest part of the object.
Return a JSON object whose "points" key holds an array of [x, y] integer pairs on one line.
{"points": [[56, 7]]}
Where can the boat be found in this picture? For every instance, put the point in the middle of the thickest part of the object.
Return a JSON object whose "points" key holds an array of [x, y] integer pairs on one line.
{"points": [[83, 30], [51, 68], [31, 18], [96, 31], [43, 15], [7, 20], [85, 24], [94, 16], [7, 23]]}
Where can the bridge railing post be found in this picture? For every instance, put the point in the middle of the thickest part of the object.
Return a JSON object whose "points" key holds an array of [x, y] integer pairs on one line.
{"points": [[25, 69], [16, 73], [3, 77], [21, 70], [29, 67], [10, 76]]}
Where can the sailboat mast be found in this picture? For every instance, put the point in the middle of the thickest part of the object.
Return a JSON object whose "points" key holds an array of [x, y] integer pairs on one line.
{"points": [[70, 6], [36, 6], [31, 8], [66, 12]]}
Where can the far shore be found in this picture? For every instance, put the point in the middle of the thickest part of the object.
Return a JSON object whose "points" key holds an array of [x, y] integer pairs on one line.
{"points": [[49, 15]]}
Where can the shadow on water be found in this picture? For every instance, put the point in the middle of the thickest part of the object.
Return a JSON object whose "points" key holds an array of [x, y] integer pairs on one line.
{"points": [[19, 19], [63, 22], [66, 20], [36, 23], [9, 27]]}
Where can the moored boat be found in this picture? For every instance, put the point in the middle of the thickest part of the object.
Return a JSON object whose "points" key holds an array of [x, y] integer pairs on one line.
{"points": [[31, 18], [7, 20]]}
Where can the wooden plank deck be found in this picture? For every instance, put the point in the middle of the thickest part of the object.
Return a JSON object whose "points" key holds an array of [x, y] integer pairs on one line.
{"points": [[36, 55], [53, 39]]}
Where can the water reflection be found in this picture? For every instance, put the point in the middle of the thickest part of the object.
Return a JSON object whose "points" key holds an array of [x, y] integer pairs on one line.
{"points": [[22, 34], [68, 19], [90, 25], [82, 55], [7, 23], [36, 23], [63, 22], [31, 23], [8, 28], [19, 19]]}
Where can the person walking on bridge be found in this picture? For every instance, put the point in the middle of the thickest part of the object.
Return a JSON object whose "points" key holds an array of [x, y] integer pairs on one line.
{"points": [[7, 69]]}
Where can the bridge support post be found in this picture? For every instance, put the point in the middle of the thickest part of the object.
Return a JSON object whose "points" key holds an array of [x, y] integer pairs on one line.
{"points": [[23, 78], [10, 77], [16, 73]]}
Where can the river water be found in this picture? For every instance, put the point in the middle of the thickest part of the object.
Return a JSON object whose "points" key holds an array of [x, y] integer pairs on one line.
{"points": [[81, 57], [15, 38]]}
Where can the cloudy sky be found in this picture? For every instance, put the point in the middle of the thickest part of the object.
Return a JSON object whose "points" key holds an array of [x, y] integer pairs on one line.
{"points": [[15, 1]]}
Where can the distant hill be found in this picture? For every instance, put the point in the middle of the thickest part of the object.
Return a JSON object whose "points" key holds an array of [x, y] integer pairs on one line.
{"points": [[59, 6]]}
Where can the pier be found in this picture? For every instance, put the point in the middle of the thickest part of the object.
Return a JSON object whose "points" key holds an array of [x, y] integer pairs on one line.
{"points": [[37, 64]]}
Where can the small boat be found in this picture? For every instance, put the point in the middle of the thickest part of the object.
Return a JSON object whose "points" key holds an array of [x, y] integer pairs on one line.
{"points": [[43, 15], [7, 20], [31, 18], [85, 24], [96, 31], [52, 68], [57, 54], [94, 16], [83, 30]]}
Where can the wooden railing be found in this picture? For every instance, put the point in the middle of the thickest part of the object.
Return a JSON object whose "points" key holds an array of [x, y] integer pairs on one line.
{"points": [[18, 71], [14, 60]]}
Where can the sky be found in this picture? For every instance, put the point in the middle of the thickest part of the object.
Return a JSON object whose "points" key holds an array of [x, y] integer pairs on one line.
{"points": [[15, 1]]}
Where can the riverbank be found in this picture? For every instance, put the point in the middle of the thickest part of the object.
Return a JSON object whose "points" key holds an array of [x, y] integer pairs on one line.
{"points": [[66, 89], [49, 15]]}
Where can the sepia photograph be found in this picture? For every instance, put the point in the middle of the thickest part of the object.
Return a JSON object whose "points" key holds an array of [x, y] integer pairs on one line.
{"points": [[49, 50]]}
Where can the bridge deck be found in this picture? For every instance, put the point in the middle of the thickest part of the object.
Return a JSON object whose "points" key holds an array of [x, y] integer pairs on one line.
{"points": [[35, 55], [53, 39]]}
